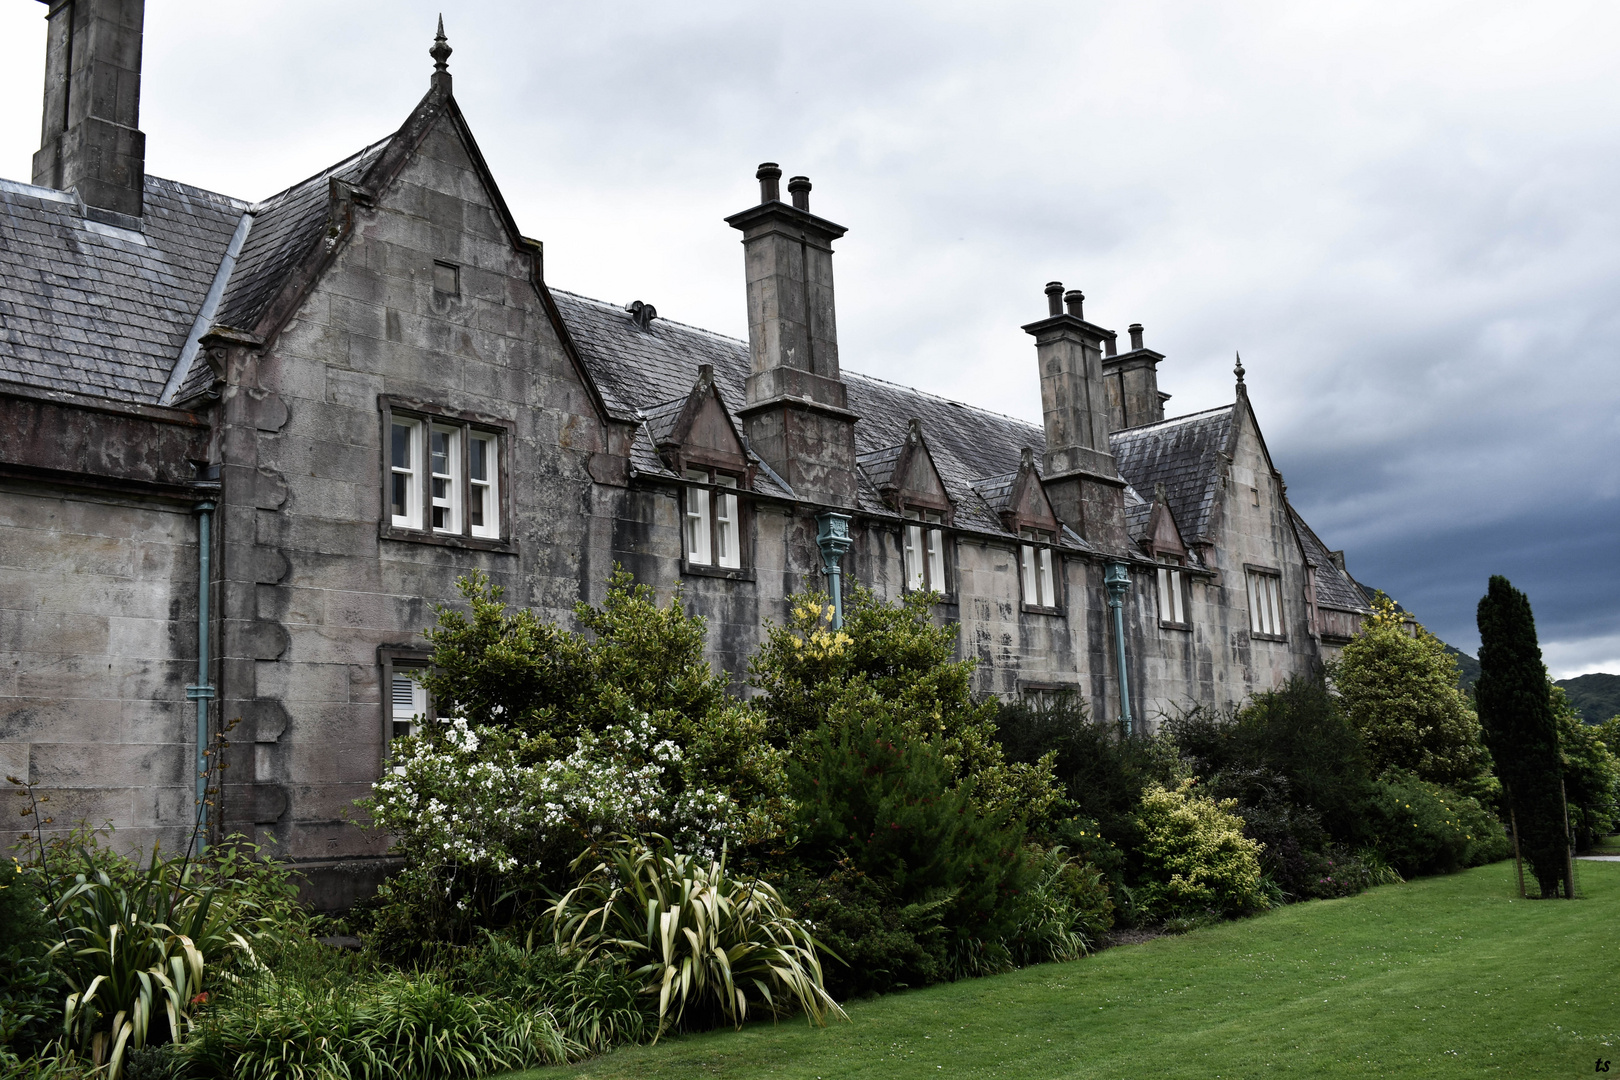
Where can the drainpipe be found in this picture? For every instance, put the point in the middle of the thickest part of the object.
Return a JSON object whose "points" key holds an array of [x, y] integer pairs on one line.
{"points": [[832, 537], [1118, 579], [203, 692]]}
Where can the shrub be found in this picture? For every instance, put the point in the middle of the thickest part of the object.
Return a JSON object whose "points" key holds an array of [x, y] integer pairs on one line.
{"points": [[30, 997], [389, 1025], [1062, 911], [1591, 774], [895, 657], [877, 797], [1195, 858], [597, 1005], [1425, 828], [1400, 690], [875, 943], [692, 934]]}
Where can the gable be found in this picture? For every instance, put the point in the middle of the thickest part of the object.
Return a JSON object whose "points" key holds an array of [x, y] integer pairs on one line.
{"points": [[921, 483], [1027, 504], [1163, 538]]}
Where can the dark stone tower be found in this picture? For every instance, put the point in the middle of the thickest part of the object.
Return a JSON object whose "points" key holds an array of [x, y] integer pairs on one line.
{"points": [[1132, 378], [90, 140], [796, 417], [1078, 469]]}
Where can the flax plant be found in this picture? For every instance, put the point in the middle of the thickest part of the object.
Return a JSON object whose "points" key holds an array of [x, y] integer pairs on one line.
{"points": [[696, 935]]}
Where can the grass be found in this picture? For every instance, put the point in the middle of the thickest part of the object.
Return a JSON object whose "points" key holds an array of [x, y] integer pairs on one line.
{"points": [[1442, 977]]}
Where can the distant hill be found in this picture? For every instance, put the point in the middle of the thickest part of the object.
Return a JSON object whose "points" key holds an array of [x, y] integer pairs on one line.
{"points": [[1467, 669], [1596, 697]]}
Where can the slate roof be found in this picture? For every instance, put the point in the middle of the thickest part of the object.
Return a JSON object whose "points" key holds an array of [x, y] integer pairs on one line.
{"points": [[642, 370], [1183, 454], [1334, 588], [101, 310]]}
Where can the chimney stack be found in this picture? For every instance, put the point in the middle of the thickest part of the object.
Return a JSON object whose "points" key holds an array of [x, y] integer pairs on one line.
{"points": [[796, 415], [90, 141], [1134, 398], [1078, 469]]}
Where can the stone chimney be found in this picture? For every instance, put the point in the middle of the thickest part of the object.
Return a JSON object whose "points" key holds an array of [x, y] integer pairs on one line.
{"points": [[91, 141], [1134, 397], [796, 415], [1078, 468]]}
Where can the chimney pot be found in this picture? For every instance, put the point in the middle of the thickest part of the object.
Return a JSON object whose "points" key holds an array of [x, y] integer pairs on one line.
{"points": [[1136, 335], [799, 188], [768, 175], [1110, 345], [1076, 301], [1054, 297]]}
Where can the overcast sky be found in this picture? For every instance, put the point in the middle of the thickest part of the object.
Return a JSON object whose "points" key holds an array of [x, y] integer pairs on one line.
{"points": [[1404, 215]]}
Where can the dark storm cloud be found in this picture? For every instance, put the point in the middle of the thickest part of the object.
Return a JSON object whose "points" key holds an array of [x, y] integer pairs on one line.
{"points": [[1403, 215]]}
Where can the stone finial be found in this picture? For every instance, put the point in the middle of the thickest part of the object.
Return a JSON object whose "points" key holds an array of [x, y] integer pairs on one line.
{"points": [[769, 177], [799, 188], [1054, 297], [1238, 370], [1160, 495], [1026, 458], [1075, 301], [914, 430], [441, 57]]}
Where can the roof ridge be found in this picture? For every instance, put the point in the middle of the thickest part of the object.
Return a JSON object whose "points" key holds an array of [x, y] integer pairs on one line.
{"points": [[939, 397], [1174, 419], [675, 322], [265, 202], [240, 205]]}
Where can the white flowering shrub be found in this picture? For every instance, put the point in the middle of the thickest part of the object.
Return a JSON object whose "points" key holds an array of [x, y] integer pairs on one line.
{"points": [[552, 741], [473, 797]]}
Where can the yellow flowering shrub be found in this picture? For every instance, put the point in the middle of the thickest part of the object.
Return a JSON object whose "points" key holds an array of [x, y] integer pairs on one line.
{"points": [[1195, 857]]}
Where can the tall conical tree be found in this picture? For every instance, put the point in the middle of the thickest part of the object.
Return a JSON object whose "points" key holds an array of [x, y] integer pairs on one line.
{"points": [[1516, 717]]}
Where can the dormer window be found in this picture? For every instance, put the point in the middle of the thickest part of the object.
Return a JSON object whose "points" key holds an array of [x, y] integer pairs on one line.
{"points": [[1172, 592], [713, 520], [924, 549], [1036, 566]]}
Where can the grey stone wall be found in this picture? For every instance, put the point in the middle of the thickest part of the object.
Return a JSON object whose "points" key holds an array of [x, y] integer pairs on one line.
{"points": [[97, 644]]}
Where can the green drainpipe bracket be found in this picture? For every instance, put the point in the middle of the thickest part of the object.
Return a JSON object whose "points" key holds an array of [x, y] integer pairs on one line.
{"points": [[832, 537], [1117, 578]]}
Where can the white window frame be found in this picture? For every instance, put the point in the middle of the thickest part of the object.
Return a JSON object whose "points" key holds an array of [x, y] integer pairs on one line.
{"points": [[1172, 591], [923, 551], [407, 474], [443, 487], [1265, 602], [484, 492], [1039, 583], [712, 528]]}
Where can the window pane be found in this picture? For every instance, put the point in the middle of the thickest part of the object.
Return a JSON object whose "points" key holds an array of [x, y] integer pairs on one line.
{"points": [[441, 451], [475, 512], [1048, 595], [698, 526], [936, 560], [478, 460], [726, 532], [1164, 594], [914, 565], [400, 497], [402, 446], [445, 461], [1031, 595], [1178, 597]]}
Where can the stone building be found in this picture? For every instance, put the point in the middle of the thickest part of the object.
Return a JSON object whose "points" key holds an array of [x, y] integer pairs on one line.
{"points": [[246, 447]]}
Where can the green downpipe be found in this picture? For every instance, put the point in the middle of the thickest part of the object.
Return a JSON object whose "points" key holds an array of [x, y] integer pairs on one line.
{"points": [[203, 692], [1117, 579]]}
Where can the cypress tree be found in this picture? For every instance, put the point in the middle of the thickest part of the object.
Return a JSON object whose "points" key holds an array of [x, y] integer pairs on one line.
{"points": [[1516, 716]]}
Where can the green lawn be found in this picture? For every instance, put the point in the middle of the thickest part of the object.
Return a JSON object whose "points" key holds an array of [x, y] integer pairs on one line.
{"points": [[1444, 977]]}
